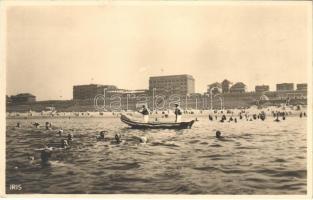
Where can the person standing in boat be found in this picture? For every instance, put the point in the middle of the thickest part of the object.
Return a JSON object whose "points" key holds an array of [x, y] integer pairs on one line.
{"points": [[178, 113], [145, 112]]}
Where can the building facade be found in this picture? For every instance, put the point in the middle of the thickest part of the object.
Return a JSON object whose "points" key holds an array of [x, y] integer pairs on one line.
{"points": [[175, 84], [262, 88], [83, 92], [23, 98], [284, 87], [302, 86], [238, 88]]}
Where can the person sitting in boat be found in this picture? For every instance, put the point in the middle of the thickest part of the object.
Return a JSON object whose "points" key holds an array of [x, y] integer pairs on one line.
{"points": [[178, 113], [145, 112]]}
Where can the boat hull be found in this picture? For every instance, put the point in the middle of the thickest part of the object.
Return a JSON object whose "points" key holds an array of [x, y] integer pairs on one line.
{"points": [[140, 125]]}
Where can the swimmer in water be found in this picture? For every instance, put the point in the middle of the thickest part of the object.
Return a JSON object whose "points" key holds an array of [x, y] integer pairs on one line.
{"points": [[48, 125], [60, 132], [70, 137], [18, 124], [64, 144], [118, 138], [31, 159], [218, 135], [36, 124], [143, 139], [101, 136], [45, 154]]}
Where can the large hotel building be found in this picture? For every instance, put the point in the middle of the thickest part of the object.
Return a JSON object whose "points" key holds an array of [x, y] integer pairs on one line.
{"points": [[175, 84], [84, 92]]}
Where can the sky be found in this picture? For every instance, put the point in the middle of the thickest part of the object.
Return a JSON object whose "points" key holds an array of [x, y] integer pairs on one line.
{"points": [[51, 48]]}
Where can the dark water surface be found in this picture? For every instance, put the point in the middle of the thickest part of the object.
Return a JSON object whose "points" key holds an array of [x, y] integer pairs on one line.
{"points": [[258, 157]]}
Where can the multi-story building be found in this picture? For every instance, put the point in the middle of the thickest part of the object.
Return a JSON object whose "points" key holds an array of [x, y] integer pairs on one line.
{"points": [[83, 92], [238, 88], [123, 92], [175, 84], [23, 98], [284, 87], [262, 88], [225, 86], [302, 86]]}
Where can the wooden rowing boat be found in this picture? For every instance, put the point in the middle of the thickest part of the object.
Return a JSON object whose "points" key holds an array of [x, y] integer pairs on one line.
{"points": [[155, 125]]}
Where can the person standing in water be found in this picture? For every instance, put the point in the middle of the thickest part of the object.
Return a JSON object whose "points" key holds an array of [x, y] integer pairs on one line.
{"points": [[45, 154], [178, 113], [145, 112]]}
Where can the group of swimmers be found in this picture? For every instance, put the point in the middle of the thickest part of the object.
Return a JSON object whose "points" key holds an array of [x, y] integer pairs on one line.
{"points": [[46, 151], [261, 116]]}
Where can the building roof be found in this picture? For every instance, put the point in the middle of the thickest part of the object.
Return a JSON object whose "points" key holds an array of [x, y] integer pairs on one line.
{"points": [[239, 85], [284, 84], [24, 95], [216, 84], [97, 85], [172, 76], [226, 81]]}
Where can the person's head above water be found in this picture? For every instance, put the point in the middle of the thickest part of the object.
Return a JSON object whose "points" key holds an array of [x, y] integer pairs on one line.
{"points": [[117, 138], [70, 136], [218, 134], [102, 133], [64, 143], [143, 106]]}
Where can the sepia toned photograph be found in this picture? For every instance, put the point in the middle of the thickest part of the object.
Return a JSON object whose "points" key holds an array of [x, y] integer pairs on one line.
{"points": [[158, 98]]}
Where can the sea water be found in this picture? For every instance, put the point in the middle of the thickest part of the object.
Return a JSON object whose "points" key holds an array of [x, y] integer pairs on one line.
{"points": [[255, 157]]}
